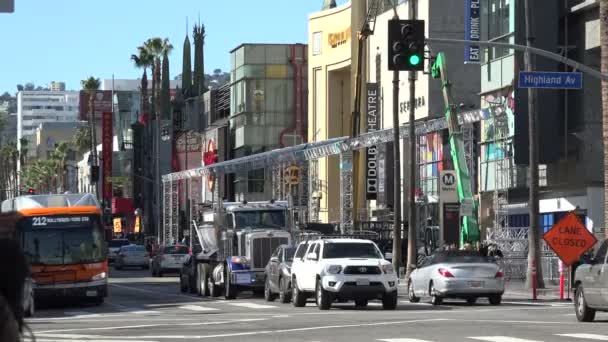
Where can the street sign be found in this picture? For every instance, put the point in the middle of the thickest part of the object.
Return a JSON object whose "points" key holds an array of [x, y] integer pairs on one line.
{"points": [[569, 239], [550, 80]]}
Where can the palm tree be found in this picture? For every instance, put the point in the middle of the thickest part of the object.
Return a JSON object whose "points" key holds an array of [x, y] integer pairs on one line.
{"points": [[143, 60], [604, 69], [59, 156], [91, 85], [82, 139], [154, 47], [165, 97]]}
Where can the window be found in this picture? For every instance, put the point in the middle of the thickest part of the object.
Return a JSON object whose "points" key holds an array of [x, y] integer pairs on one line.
{"points": [[351, 250], [255, 180], [301, 250], [600, 256], [288, 254], [316, 43], [495, 15]]}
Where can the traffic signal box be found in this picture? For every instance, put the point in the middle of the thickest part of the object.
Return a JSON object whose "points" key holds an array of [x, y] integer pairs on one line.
{"points": [[406, 45]]}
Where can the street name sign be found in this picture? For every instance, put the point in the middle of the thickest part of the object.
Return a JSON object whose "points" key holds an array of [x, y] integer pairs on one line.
{"points": [[569, 239], [550, 80]]}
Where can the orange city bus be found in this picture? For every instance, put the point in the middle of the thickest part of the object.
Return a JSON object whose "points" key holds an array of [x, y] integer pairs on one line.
{"points": [[63, 239]]}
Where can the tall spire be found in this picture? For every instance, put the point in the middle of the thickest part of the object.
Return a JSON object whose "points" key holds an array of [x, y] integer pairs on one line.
{"points": [[187, 68], [198, 86], [327, 4]]}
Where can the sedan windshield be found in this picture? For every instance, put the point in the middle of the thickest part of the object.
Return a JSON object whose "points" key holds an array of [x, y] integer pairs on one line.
{"points": [[350, 250], [462, 258]]}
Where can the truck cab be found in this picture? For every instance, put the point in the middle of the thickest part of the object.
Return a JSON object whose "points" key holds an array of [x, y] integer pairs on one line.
{"points": [[237, 240]]}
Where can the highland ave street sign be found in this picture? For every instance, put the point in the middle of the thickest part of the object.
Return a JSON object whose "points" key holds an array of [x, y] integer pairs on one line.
{"points": [[550, 80]]}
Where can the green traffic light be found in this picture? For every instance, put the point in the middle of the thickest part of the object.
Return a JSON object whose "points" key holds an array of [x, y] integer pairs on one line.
{"points": [[414, 60]]}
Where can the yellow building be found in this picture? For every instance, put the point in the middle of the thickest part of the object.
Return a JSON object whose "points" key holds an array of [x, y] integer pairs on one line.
{"points": [[331, 83]]}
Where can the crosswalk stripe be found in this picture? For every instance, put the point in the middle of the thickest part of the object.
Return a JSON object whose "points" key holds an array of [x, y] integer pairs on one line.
{"points": [[253, 305], [501, 339], [197, 308], [403, 340], [145, 312], [586, 336]]}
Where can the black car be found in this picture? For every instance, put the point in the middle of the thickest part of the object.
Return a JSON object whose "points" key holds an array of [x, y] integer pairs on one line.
{"points": [[278, 274]]}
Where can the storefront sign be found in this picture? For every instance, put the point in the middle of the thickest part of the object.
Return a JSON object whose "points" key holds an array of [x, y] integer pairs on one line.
{"points": [[117, 225], [418, 102], [472, 53], [371, 160], [106, 146], [338, 38]]}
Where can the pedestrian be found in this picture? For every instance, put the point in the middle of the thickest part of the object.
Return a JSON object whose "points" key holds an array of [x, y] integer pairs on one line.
{"points": [[12, 281]]}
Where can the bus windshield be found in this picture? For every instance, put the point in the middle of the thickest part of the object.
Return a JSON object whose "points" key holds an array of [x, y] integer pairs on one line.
{"points": [[260, 219], [63, 244]]}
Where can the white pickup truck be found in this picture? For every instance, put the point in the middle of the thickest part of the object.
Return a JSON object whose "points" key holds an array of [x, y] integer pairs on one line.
{"points": [[342, 269]]}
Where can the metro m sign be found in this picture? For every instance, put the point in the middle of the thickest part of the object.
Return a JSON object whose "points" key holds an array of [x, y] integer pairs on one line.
{"points": [[569, 239]]}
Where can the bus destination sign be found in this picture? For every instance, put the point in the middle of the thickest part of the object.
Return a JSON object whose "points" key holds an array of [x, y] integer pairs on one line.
{"points": [[46, 221]]}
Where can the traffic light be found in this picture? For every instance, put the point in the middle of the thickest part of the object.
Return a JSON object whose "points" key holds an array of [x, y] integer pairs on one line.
{"points": [[406, 45]]}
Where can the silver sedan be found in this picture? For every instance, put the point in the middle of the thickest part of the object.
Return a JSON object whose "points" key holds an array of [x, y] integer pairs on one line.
{"points": [[457, 274]]}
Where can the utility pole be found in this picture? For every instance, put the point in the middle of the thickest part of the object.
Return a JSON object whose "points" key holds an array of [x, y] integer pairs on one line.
{"points": [[397, 173], [411, 210], [534, 265], [604, 69]]}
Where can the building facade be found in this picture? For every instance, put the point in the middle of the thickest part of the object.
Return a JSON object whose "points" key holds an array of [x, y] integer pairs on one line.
{"points": [[332, 70], [57, 86], [570, 121], [268, 107]]}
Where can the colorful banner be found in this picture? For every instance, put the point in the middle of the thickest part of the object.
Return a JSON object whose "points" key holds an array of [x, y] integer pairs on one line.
{"points": [[106, 146], [371, 158], [472, 29]]}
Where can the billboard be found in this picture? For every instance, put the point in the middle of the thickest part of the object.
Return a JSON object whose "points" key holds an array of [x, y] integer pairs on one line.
{"points": [[371, 155], [106, 145], [102, 103]]}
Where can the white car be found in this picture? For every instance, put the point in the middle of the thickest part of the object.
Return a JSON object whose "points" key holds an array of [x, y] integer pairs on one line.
{"points": [[342, 269]]}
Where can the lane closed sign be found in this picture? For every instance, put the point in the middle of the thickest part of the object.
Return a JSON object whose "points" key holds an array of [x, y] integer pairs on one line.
{"points": [[569, 239]]}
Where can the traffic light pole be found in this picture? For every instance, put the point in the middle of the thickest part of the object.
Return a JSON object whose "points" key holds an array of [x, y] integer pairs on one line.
{"points": [[411, 207], [397, 175]]}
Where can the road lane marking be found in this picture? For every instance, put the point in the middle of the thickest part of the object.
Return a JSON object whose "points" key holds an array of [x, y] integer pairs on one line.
{"points": [[252, 305], [144, 312], [403, 340], [196, 308], [501, 339], [268, 332], [91, 339], [586, 336], [153, 325]]}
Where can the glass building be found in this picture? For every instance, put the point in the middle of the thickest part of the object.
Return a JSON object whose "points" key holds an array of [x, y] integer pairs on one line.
{"points": [[268, 107]]}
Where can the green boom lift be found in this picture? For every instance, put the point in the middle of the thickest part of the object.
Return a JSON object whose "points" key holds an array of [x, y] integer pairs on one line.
{"points": [[469, 231]]}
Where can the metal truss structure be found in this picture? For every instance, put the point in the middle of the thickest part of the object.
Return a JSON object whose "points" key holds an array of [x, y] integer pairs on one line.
{"points": [[305, 155]]}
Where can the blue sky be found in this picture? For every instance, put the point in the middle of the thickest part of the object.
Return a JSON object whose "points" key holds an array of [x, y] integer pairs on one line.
{"points": [[68, 40]]}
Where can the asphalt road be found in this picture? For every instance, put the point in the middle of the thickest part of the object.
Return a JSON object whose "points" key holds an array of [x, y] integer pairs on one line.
{"points": [[140, 308]]}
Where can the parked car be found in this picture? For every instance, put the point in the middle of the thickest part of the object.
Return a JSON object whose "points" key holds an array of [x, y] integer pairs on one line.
{"points": [[28, 297], [457, 274], [114, 246], [277, 274], [591, 286], [342, 269], [131, 256], [169, 259]]}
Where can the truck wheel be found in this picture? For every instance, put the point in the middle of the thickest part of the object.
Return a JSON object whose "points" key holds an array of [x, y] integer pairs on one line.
{"points": [[389, 301], [229, 290], [323, 300], [268, 295], [583, 312], [203, 278], [284, 295], [411, 294], [298, 298], [214, 291]]}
